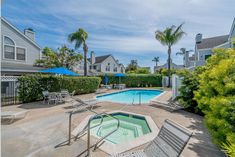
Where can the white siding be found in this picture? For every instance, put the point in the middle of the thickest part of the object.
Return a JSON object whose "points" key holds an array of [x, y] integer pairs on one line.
{"points": [[32, 51]]}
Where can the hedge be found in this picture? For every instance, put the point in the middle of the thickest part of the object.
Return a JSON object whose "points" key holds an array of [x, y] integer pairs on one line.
{"points": [[136, 80], [31, 86]]}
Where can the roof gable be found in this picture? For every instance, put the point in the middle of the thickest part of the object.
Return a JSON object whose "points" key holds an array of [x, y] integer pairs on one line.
{"points": [[209, 43], [99, 59], [22, 34]]}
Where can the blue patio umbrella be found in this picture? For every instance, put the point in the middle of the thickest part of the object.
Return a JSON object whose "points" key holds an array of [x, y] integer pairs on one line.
{"points": [[119, 75], [60, 71], [106, 79]]}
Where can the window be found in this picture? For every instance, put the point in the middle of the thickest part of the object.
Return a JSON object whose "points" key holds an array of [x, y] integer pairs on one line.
{"points": [[107, 68], [115, 69], [207, 56], [11, 51], [9, 48], [20, 54]]}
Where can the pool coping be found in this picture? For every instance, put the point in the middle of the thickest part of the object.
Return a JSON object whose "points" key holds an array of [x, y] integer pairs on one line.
{"points": [[111, 148], [103, 94]]}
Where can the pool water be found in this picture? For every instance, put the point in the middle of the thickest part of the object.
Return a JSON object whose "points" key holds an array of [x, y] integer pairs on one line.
{"points": [[133, 96], [131, 127]]}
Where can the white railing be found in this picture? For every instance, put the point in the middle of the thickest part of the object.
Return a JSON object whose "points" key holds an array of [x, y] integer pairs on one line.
{"points": [[9, 78]]}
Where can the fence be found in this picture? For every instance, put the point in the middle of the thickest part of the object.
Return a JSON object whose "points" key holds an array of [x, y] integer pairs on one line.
{"points": [[9, 90], [176, 84]]}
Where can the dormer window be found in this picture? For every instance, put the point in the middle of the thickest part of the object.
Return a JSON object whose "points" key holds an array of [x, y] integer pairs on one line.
{"points": [[11, 51]]}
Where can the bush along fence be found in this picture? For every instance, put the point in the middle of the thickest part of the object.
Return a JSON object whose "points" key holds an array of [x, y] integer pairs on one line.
{"points": [[136, 80], [31, 86]]}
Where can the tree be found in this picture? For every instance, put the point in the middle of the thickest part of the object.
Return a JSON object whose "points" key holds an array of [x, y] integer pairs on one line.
{"points": [[156, 60], [169, 37], [132, 66], [80, 37], [63, 57], [216, 96]]}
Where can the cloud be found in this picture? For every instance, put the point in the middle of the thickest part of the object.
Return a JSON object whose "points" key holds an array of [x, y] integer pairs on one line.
{"points": [[125, 27]]}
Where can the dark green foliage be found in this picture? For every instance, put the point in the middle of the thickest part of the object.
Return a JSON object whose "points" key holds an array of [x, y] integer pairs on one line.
{"points": [[137, 80], [31, 86], [190, 84]]}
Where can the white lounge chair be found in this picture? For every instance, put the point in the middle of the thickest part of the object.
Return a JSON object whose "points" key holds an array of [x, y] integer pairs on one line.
{"points": [[170, 142], [13, 115], [79, 104], [171, 104]]}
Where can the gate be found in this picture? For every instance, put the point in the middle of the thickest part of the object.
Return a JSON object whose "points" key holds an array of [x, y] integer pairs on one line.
{"points": [[176, 84], [9, 90]]}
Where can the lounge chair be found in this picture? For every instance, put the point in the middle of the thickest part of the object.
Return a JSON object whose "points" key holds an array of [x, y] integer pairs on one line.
{"points": [[170, 142], [13, 115], [84, 104], [171, 104]]}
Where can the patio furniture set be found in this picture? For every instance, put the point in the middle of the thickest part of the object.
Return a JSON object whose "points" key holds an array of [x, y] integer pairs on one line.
{"points": [[57, 97]]}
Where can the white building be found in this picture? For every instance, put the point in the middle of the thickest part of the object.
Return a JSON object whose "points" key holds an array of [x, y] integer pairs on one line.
{"points": [[165, 66], [100, 65], [204, 46]]}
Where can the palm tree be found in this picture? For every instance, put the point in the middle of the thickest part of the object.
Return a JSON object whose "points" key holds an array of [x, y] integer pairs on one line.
{"points": [[169, 37], [156, 60], [80, 37]]}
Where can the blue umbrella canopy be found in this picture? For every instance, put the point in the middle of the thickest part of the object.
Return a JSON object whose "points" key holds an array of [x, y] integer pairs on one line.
{"points": [[106, 79], [60, 71], [119, 75]]}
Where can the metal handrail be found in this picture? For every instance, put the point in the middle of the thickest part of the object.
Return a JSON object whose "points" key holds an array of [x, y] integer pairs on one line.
{"points": [[88, 132], [118, 125], [134, 98], [88, 128], [85, 128]]}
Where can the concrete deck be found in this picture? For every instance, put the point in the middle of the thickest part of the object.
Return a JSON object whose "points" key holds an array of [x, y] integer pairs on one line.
{"points": [[46, 126]]}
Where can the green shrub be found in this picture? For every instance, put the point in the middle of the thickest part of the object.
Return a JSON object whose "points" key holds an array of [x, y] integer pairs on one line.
{"points": [[137, 80], [190, 84], [31, 86], [216, 96]]}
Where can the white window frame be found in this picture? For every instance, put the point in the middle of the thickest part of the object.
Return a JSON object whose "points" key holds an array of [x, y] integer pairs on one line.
{"points": [[15, 47]]}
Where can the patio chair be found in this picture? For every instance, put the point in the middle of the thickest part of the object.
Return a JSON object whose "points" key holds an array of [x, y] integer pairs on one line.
{"points": [[69, 97], [52, 97], [170, 142], [13, 115], [45, 96]]}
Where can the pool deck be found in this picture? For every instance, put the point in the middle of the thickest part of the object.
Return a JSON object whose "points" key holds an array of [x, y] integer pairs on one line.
{"points": [[46, 126]]}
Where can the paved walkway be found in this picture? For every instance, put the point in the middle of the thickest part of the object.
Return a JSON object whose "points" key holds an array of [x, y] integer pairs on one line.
{"points": [[45, 127]]}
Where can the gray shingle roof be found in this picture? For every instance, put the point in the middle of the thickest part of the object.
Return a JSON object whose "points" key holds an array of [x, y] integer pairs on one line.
{"points": [[99, 59], [18, 67], [212, 42]]}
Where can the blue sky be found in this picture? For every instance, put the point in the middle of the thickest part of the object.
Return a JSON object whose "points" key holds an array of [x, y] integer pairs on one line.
{"points": [[124, 28]]}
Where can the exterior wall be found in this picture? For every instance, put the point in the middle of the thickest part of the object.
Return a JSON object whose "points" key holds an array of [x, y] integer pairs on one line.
{"points": [[113, 64], [32, 51], [202, 54]]}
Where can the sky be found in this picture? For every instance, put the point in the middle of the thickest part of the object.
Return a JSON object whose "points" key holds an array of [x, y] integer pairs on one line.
{"points": [[124, 28]]}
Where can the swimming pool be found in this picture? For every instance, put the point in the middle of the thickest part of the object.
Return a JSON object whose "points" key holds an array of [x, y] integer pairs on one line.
{"points": [[131, 127], [132, 96]]}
